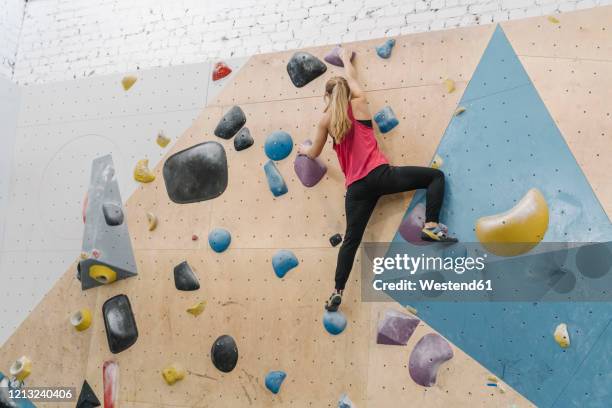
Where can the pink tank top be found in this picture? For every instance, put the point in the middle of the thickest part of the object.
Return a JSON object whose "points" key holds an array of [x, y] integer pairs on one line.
{"points": [[358, 152]]}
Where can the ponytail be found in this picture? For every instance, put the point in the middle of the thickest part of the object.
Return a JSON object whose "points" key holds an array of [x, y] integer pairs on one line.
{"points": [[337, 94]]}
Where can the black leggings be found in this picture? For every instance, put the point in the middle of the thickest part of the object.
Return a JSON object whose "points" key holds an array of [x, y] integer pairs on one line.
{"points": [[361, 198]]}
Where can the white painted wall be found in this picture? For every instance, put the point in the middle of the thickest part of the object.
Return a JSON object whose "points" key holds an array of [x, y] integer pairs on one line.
{"points": [[65, 39], [11, 16]]}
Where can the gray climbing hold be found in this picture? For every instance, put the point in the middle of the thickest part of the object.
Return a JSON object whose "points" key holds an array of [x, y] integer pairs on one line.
{"points": [[396, 328], [283, 261], [121, 330], [243, 139], [195, 174], [335, 240], [428, 354], [184, 278], [309, 171], [384, 50], [224, 353], [304, 67], [275, 179], [113, 214], [233, 120], [333, 57]]}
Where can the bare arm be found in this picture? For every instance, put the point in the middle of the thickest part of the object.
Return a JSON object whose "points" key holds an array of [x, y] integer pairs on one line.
{"points": [[351, 75], [318, 143]]}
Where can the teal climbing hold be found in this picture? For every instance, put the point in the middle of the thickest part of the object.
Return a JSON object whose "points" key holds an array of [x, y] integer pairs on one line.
{"points": [[283, 261], [274, 380], [384, 50], [386, 119], [334, 322], [345, 402], [278, 145], [219, 239], [275, 179]]}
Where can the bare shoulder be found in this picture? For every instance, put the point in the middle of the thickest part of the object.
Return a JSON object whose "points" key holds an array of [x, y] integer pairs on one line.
{"points": [[361, 109]]}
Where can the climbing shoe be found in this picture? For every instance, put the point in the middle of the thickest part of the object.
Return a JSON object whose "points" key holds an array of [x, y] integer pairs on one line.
{"points": [[437, 234], [333, 303]]}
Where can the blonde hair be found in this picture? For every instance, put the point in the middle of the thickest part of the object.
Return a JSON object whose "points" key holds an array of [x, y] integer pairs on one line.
{"points": [[337, 96]]}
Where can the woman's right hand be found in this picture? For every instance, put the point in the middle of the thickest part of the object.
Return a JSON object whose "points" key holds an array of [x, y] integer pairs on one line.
{"points": [[345, 55]]}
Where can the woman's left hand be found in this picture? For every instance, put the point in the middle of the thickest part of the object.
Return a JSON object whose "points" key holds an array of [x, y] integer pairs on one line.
{"points": [[302, 150]]}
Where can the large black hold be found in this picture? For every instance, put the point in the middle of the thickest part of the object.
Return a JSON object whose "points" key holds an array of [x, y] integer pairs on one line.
{"points": [[233, 120], [87, 398], [184, 278], [224, 353], [304, 67], [121, 330]]}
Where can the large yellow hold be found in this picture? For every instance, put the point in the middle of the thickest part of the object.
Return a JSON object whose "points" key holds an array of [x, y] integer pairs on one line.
{"points": [[102, 274], [142, 172], [517, 230]]}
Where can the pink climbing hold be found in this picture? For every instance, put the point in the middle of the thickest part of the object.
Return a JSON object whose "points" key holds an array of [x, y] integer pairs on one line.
{"points": [[110, 381], [426, 358], [396, 328], [85, 202], [333, 57], [309, 171], [413, 223], [220, 71]]}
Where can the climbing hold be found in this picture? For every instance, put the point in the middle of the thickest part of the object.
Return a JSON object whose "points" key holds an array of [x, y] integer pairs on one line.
{"points": [[173, 374], [278, 145], [243, 139], [197, 309], [87, 397], [517, 230], [142, 172], [275, 180], [102, 274], [233, 120], [345, 402], [283, 261], [553, 20], [304, 67], [219, 239], [128, 81], [95, 253], [110, 379], [450, 85], [309, 171], [84, 211], [21, 369], [594, 260], [396, 328], [194, 237], [152, 221], [562, 336], [411, 309], [334, 322], [196, 174], [384, 50], [335, 240], [224, 353], [184, 278], [428, 354], [385, 119], [113, 214], [221, 70], [412, 224], [81, 320], [121, 330], [459, 111], [333, 57], [162, 140], [437, 162], [274, 380]]}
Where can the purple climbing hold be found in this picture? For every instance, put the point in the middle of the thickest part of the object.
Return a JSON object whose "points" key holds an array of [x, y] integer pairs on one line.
{"points": [[426, 357], [413, 223], [396, 328], [309, 171], [334, 57]]}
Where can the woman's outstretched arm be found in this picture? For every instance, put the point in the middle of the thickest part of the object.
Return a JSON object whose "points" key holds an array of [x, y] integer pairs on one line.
{"points": [[351, 74], [318, 143]]}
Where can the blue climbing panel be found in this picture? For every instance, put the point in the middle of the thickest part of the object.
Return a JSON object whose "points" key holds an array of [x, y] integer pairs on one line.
{"points": [[505, 143]]}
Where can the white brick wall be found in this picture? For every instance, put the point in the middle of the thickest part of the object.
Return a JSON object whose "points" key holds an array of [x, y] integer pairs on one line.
{"points": [[64, 39], [11, 16]]}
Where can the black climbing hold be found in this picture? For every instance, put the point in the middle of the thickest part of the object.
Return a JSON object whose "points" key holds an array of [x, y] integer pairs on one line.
{"points": [[184, 278], [233, 120], [224, 353], [121, 330], [335, 240], [196, 174], [243, 139], [113, 214], [304, 67], [87, 398]]}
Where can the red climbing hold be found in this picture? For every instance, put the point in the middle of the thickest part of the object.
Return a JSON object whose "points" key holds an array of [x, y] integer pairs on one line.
{"points": [[194, 237], [221, 71]]}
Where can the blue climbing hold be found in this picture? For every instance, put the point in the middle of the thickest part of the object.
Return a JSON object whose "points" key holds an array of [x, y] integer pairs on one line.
{"points": [[384, 50], [283, 261], [385, 119], [274, 380], [219, 239], [275, 179], [334, 322], [278, 145]]}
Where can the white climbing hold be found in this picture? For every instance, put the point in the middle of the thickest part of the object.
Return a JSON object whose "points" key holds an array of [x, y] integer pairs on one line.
{"points": [[562, 336]]}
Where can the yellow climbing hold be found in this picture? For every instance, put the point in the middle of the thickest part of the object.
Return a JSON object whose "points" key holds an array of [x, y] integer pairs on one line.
{"points": [[517, 230], [492, 378], [553, 19], [197, 309], [450, 85], [152, 220], [102, 274], [128, 81], [437, 162], [173, 374], [162, 140], [411, 309], [562, 336], [459, 111], [142, 172], [81, 320], [21, 369]]}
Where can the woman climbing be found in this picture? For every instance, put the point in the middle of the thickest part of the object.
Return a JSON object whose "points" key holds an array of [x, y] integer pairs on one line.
{"points": [[367, 172]]}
